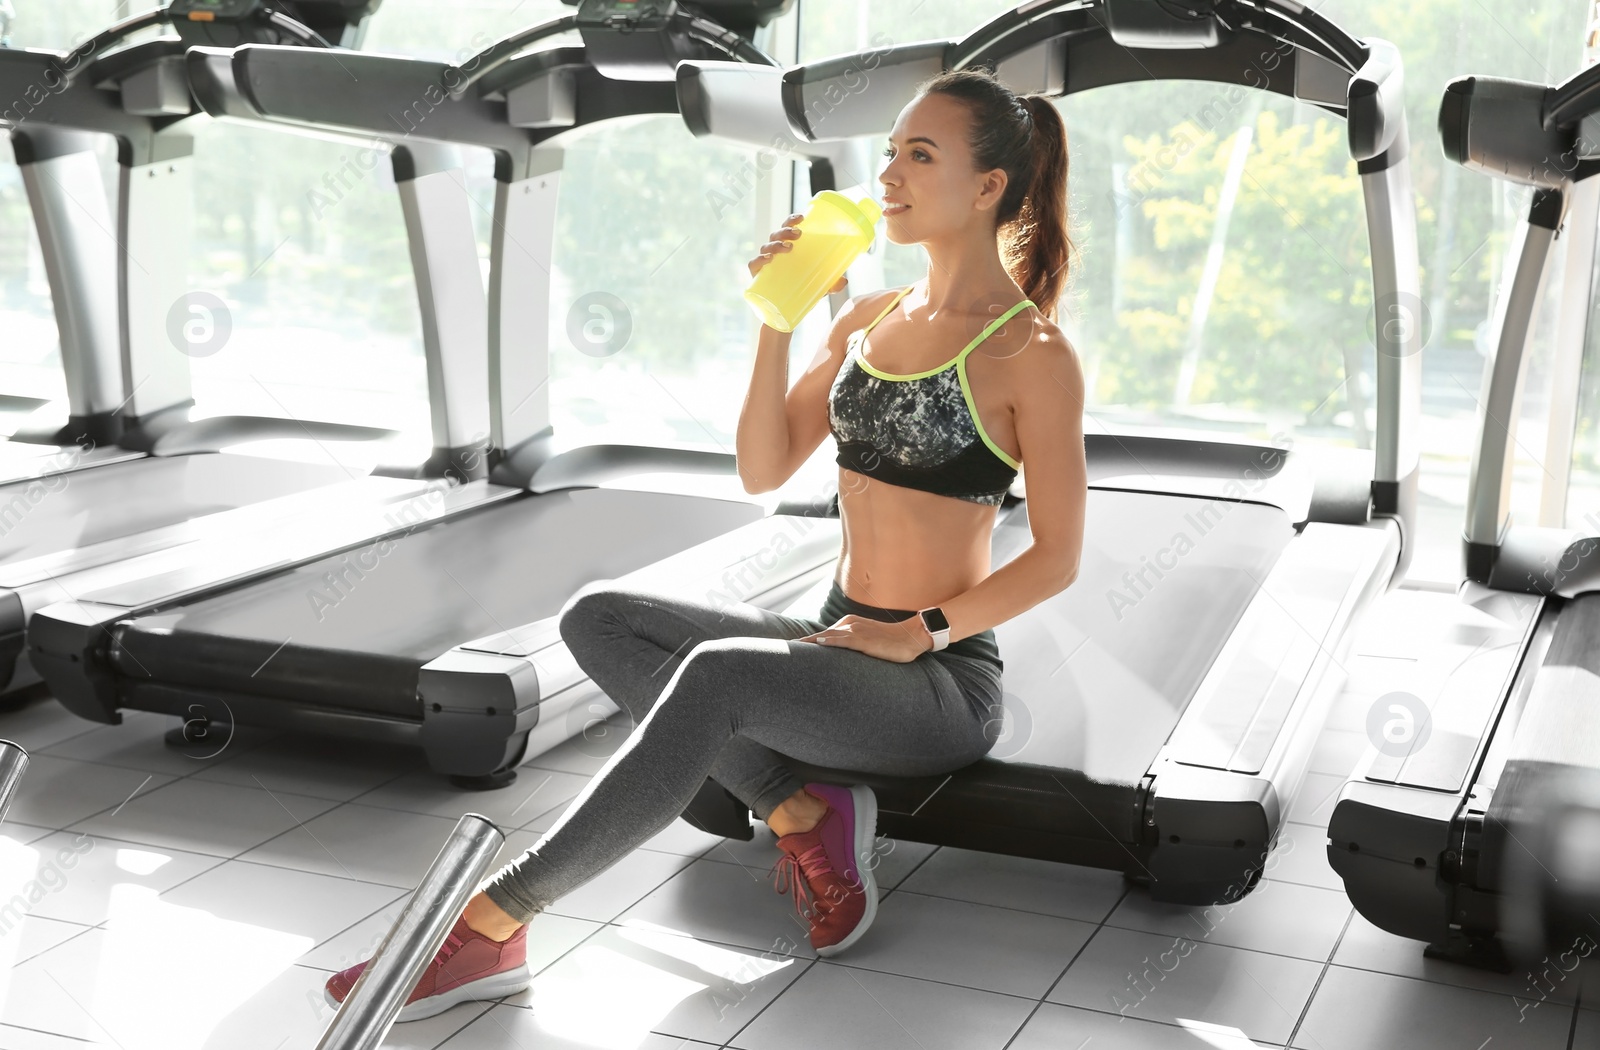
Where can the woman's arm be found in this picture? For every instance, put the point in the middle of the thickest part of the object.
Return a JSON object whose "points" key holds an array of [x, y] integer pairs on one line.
{"points": [[761, 446], [1049, 420], [780, 427]]}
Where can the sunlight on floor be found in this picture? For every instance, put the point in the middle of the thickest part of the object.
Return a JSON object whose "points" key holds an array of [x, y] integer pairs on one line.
{"points": [[660, 968], [169, 975]]}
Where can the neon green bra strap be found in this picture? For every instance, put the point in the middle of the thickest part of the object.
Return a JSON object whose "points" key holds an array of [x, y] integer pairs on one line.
{"points": [[987, 331], [992, 325], [886, 309], [966, 388]]}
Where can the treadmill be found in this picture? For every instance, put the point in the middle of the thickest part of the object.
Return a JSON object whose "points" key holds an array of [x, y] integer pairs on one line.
{"points": [[1168, 744], [152, 482], [417, 632], [1428, 836], [127, 390]]}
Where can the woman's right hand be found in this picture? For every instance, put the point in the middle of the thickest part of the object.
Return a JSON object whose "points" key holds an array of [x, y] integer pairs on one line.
{"points": [[782, 240]]}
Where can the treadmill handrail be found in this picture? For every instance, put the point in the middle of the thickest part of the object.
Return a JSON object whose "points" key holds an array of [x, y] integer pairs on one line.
{"points": [[502, 51], [103, 41], [1526, 133], [1377, 101], [110, 37], [268, 83], [1573, 99]]}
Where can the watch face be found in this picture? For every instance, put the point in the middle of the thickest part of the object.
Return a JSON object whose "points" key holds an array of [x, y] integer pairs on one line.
{"points": [[935, 621]]}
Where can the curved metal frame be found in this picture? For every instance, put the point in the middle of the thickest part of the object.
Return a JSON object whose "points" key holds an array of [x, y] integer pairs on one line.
{"points": [[91, 50], [1526, 133]]}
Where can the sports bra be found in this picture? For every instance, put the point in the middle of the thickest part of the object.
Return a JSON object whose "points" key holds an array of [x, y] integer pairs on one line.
{"points": [[918, 431]]}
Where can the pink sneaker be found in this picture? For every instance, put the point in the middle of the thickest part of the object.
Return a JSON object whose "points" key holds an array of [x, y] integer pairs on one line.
{"points": [[469, 966], [834, 861]]}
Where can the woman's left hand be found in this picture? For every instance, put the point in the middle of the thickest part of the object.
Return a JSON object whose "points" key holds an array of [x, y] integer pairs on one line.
{"points": [[900, 642]]}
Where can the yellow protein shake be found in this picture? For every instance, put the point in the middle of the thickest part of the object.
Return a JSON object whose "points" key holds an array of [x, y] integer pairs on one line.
{"points": [[833, 232]]}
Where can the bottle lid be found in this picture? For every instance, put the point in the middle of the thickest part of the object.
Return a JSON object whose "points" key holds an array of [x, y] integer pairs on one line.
{"points": [[864, 213]]}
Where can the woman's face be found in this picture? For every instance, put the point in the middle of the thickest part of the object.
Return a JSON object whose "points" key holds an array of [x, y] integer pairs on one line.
{"points": [[930, 190]]}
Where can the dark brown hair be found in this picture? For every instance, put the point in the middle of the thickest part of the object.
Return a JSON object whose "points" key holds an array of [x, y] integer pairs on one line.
{"points": [[1024, 136]]}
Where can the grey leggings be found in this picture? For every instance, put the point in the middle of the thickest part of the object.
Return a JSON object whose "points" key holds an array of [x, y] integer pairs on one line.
{"points": [[724, 692]]}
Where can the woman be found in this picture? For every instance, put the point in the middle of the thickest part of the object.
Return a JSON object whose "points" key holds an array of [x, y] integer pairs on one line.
{"points": [[900, 674]]}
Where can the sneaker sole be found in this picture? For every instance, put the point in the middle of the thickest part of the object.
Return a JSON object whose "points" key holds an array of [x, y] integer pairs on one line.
{"points": [[495, 986], [866, 807]]}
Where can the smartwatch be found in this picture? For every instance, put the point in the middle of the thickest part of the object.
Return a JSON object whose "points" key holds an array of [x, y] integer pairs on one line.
{"points": [[933, 619]]}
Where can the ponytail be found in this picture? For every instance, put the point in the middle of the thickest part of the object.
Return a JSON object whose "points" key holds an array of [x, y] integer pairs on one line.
{"points": [[1025, 137]]}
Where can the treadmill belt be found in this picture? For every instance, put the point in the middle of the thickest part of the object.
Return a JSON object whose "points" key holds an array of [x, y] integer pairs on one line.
{"points": [[1097, 676], [352, 631], [66, 511]]}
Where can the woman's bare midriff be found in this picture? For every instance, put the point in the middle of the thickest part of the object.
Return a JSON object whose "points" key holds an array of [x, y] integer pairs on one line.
{"points": [[908, 549]]}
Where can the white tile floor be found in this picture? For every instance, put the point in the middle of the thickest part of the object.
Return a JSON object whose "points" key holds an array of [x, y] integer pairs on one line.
{"points": [[159, 900]]}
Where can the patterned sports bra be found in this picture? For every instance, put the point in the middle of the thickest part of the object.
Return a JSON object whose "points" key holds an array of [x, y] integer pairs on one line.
{"points": [[918, 431]]}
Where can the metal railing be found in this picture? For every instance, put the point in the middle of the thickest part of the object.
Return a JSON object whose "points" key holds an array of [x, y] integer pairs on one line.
{"points": [[369, 1011], [13, 763]]}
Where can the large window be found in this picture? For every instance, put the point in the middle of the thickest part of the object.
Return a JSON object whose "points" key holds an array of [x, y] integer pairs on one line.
{"points": [[456, 31], [1222, 284], [308, 247], [650, 339]]}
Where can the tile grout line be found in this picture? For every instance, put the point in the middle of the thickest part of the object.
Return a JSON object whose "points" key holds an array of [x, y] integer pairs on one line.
{"points": [[172, 778], [1101, 925], [480, 1015], [53, 1035], [797, 977], [1305, 1011], [1436, 982], [281, 867], [603, 923], [85, 929], [1126, 889], [1108, 924]]}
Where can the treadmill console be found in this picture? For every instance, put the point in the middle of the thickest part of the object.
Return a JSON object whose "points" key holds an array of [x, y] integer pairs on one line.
{"points": [[1140, 23], [625, 14], [742, 16], [646, 39], [208, 10], [229, 23]]}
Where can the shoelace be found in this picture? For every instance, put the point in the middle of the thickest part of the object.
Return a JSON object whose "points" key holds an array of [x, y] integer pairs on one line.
{"points": [[789, 870], [452, 944]]}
